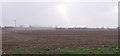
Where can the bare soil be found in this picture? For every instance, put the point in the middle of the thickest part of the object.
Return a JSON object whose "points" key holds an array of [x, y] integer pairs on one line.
{"points": [[58, 39]]}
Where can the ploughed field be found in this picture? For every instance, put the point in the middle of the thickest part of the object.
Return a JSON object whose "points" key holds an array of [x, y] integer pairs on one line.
{"points": [[57, 39]]}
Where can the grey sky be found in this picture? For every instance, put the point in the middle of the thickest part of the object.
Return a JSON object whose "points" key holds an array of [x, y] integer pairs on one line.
{"points": [[89, 14], [0, 14]]}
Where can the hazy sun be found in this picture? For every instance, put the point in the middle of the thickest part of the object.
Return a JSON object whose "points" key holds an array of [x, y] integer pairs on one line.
{"points": [[61, 9]]}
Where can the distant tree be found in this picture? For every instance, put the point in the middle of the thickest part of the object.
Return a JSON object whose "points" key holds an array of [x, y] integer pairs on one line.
{"points": [[21, 26], [30, 26], [102, 28]]}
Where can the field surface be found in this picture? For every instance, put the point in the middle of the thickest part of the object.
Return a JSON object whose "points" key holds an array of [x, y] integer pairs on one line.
{"points": [[57, 39]]}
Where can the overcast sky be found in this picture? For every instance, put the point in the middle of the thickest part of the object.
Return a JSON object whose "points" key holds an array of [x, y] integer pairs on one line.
{"points": [[82, 14]]}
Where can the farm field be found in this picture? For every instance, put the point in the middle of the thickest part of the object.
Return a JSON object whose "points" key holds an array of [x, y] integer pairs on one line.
{"points": [[62, 40]]}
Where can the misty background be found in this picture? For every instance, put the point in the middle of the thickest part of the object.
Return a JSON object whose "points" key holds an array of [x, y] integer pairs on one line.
{"points": [[64, 14]]}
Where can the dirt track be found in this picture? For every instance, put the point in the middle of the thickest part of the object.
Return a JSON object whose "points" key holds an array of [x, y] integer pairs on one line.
{"points": [[58, 39]]}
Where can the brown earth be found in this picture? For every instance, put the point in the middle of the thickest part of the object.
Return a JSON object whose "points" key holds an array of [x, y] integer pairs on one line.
{"points": [[58, 39]]}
